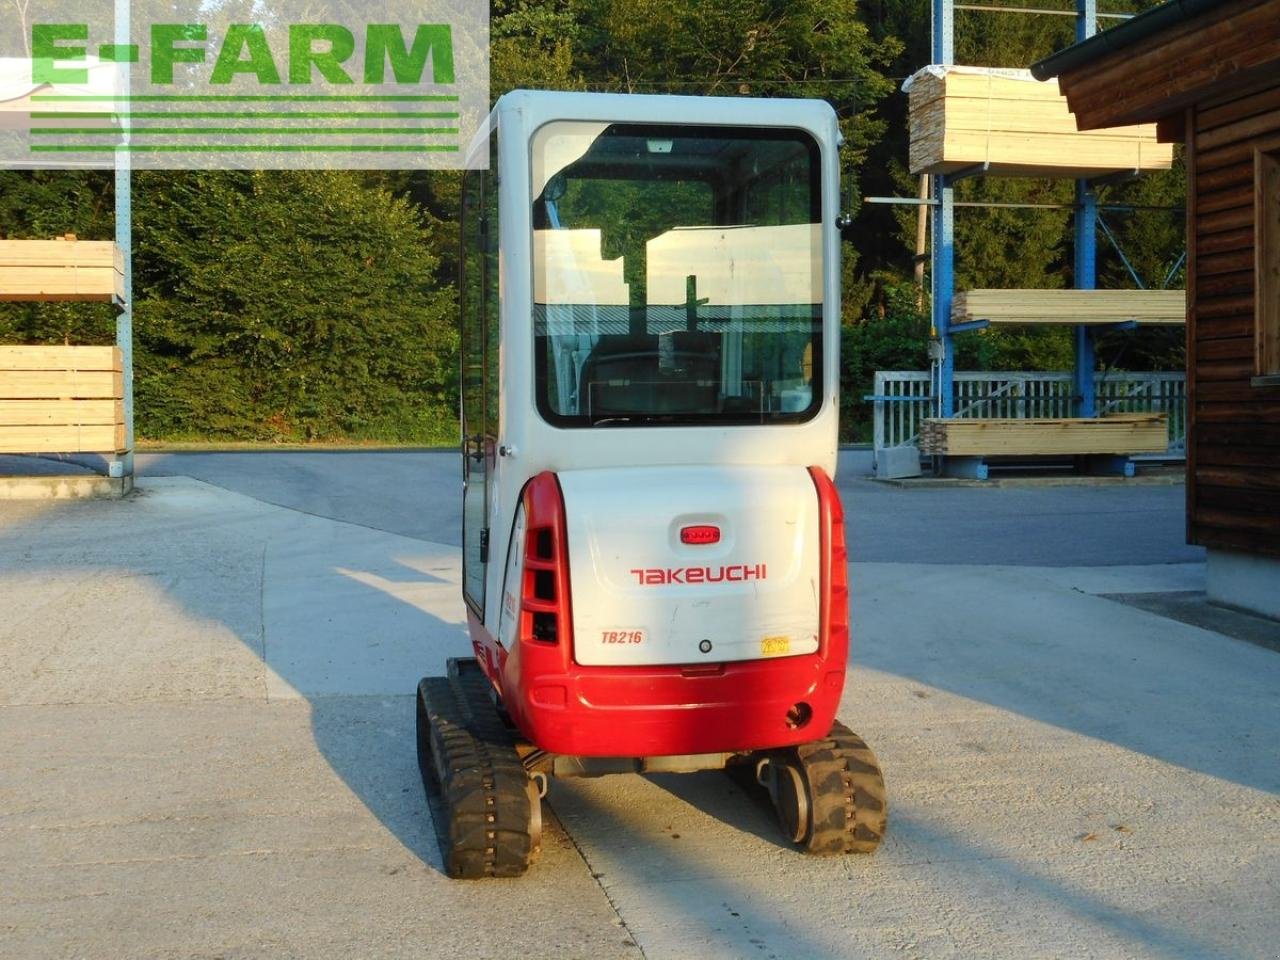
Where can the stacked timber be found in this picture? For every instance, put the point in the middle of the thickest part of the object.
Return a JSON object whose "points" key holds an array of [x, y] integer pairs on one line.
{"points": [[65, 269], [966, 116], [1168, 307], [25, 104], [61, 400], [1121, 434]]}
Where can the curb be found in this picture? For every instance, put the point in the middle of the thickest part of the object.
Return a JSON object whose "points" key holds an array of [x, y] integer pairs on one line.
{"points": [[909, 483], [65, 488]]}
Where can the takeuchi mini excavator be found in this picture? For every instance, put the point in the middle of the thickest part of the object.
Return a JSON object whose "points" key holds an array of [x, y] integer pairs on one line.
{"points": [[654, 562]]}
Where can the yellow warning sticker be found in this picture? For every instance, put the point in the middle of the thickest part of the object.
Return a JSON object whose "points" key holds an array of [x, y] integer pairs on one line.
{"points": [[775, 646]]}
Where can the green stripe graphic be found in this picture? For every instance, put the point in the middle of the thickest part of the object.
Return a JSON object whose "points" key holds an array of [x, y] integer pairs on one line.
{"points": [[236, 131], [220, 97], [242, 114], [245, 148]]}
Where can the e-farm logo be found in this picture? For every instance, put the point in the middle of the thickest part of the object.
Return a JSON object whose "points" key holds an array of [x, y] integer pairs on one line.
{"points": [[219, 83], [314, 48]]}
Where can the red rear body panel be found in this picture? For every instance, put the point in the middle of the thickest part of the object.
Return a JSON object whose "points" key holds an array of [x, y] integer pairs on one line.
{"points": [[566, 708]]}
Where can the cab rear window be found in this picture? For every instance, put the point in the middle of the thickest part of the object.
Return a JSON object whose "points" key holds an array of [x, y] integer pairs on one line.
{"points": [[677, 275]]}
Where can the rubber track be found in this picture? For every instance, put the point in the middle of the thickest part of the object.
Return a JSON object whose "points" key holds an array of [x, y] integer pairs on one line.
{"points": [[482, 812], [849, 806]]}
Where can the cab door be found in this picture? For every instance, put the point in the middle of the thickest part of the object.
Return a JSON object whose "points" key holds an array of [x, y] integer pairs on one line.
{"points": [[479, 377]]}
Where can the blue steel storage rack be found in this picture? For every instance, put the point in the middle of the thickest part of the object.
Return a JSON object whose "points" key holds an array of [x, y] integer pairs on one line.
{"points": [[942, 248]]}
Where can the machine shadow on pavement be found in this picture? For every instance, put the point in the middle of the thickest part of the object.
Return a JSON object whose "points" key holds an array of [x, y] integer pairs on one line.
{"points": [[732, 797], [210, 625], [362, 716]]}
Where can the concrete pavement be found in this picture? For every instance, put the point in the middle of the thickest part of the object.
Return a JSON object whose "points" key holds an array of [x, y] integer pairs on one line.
{"points": [[206, 750], [208, 747]]}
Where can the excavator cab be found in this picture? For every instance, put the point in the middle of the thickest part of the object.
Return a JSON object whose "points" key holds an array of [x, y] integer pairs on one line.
{"points": [[654, 564]]}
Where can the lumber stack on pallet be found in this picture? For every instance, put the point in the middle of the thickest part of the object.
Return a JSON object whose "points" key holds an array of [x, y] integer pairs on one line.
{"points": [[65, 269], [61, 400], [1167, 307], [962, 116], [1129, 433], [62, 103]]}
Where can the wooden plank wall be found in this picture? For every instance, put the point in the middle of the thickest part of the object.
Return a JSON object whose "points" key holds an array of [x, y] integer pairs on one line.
{"points": [[1233, 490], [1215, 53], [61, 400]]}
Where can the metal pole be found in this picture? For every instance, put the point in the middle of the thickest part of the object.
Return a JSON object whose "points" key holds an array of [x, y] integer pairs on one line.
{"points": [[944, 279], [122, 466], [1086, 247], [922, 239], [1086, 277], [942, 249], [1086, 19], [944, 49]]}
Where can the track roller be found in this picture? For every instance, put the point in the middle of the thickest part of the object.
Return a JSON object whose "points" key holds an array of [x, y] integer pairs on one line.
{"points": [[485, 807], [829, 794]]}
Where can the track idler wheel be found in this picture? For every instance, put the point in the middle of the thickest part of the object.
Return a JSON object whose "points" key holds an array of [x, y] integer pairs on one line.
{"points": [[485, 807], [829, 794]]}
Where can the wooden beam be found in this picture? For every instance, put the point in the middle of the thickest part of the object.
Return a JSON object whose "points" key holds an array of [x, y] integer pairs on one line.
{"points": [[60, 270], [61, 385], [1017, 127], [1077, 307], [57, 399], [60, 358], [1130, 433], [1265, 99], [34, 413], [108, 438]]}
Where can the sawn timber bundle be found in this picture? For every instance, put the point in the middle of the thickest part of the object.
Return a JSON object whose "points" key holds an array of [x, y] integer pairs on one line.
{"points": [[1163, 307], [65, 269], [966, 116], [61, 400], [1121, 434]]}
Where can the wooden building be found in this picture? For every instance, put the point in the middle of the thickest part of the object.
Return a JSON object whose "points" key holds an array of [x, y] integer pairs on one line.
{"points": [[1207, 72]]}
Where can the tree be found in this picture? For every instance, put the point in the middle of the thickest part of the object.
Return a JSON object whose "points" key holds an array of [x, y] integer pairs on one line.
{"points": [[41, 205], [288, 305]]}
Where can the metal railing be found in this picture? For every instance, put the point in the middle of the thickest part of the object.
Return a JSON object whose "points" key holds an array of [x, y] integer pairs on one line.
{"points": [[902, 399]]}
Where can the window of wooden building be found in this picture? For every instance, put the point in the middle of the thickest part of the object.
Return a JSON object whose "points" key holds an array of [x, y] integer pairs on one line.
{"points": [[1267, 219]]}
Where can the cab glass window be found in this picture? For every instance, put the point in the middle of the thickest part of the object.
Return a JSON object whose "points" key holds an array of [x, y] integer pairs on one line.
{"points": [[677, 275]]}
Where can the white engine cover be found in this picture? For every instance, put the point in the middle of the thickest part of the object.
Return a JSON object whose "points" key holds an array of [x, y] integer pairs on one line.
{"points": [[641, 596]]}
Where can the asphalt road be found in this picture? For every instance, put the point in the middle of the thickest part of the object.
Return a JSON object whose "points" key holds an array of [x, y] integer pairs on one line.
{"points": [[418, 495], [413, 494]]}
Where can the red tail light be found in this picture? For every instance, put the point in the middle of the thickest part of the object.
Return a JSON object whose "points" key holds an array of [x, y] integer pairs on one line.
{"points": [[544, 592], [834, 618], [700, 534]]}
